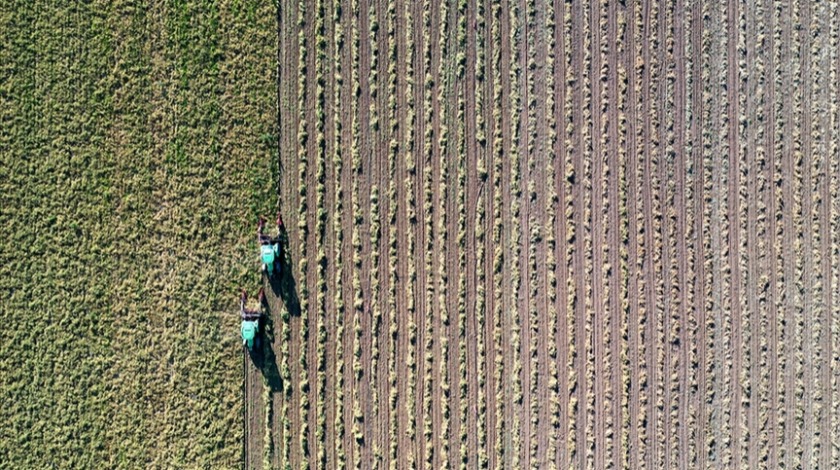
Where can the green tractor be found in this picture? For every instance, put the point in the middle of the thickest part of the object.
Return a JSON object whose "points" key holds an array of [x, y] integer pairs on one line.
{"points": [[271, 249], [250, 328]]}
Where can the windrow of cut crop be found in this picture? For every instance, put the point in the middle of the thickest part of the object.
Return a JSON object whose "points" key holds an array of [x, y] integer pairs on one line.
{"points": [[375, 228], [604, 369], [393, 247], [821, 200], [429, 303], [780, 234], [320, 234], [641, 388], [338, 234], [834, 229], [569, 447], [444, 84], [655, 222], [745, 263], [797, 209], [669, 210], [690, 149], [479, 236], [621, 223], [707, 324], [515, 233], [499, 332], [356, 241], [411, 215], [461, 151], [586, 156], [303, 228], [534, 235], [760, 283], [551, 199]]}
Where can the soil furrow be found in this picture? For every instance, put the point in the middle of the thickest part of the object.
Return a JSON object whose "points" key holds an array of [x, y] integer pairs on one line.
{"points": [[470, 338], [810, 306], [680, 337], [771, 144], [617, 152], [599, 314], [562, 206], [634, 131], [496, 395], [752, 322], [577, 312], [365, 176], [826, 224]]}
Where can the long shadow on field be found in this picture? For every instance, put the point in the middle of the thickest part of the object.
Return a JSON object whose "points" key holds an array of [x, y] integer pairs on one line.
{"points": [[266, 360], [284, 286]]}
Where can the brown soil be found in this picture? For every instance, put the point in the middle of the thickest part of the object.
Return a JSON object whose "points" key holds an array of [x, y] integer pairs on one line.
{"points": [[693, 303]]}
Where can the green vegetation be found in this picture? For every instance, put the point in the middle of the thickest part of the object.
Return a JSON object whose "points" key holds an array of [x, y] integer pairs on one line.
{"points": [[136, 148]]}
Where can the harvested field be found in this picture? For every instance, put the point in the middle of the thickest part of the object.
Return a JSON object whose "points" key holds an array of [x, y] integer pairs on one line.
{"points": [[521, 234], [562, 234]]}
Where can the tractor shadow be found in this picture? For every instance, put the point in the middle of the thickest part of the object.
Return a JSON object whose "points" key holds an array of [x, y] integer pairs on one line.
{"points": [[284, 285], [265, 359]]}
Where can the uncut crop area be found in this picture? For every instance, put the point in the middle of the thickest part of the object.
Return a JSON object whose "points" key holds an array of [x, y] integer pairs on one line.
{"points": [[534, 234]]}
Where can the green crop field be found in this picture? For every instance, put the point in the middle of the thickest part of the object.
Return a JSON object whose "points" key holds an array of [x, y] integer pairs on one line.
{"points": [[136, 150]]}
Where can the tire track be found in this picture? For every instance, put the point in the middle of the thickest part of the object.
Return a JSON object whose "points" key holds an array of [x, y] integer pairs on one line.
{"points": [[395, 230], [635, 251], [366, 173], [809, 305], [543, 287], [733, 232], [753, 322], [683, 322], [826, 223], [495, 397], [574, 441], [505, 259], [787, 265], [471, 338], [616, 154], [564, 205], [597, 229], [772, 144], [526, 309], [650, 381]]}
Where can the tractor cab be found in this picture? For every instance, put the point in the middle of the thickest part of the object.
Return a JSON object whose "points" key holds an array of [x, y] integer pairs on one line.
{"points": [[249, 333], [250, 326], [268, 256]]}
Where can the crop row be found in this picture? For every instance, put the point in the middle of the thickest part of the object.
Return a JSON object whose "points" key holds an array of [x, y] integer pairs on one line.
{"points": [[393, 247], [498, 250], [303, 228], [569, 452], [515, 240], [479, 236], [534, 235], [375, 229], [338, 233], [461, 150], [411, 217], [550, 306], [356, 241], [443, 84]]}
